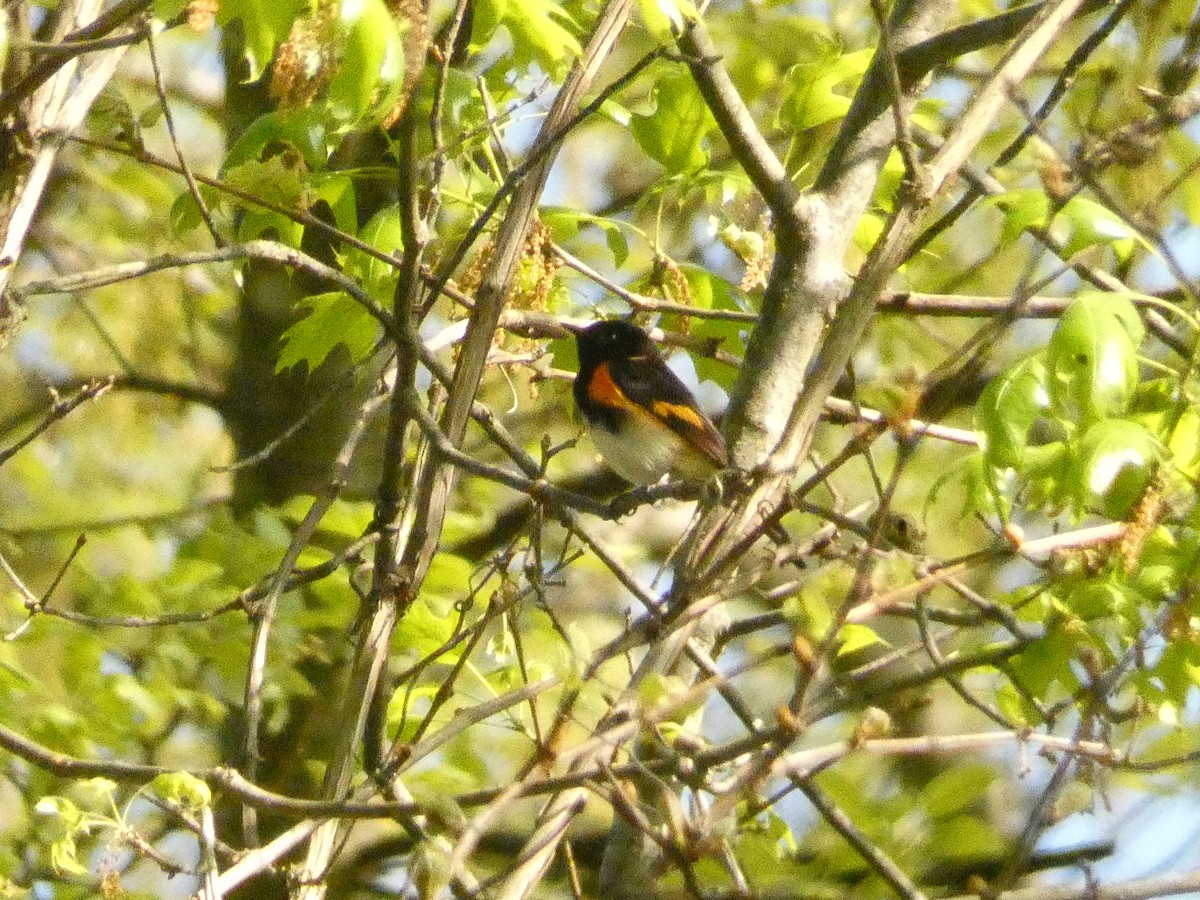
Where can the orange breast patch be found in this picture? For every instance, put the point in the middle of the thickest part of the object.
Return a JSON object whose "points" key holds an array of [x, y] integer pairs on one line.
{"points": [[603, 390]]}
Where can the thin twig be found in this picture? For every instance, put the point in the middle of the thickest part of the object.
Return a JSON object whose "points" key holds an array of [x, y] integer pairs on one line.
{"points": [[169, 119], [59, 410]]}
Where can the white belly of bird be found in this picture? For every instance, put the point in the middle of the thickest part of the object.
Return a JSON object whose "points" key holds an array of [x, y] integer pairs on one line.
{"points": [[643, 453]]}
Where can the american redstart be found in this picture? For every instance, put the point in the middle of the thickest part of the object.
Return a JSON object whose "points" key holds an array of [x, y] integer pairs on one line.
{"points": [[643, 419]]}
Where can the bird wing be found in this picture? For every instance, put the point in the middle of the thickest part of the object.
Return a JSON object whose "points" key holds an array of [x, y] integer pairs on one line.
{"points": [[650, 384]]}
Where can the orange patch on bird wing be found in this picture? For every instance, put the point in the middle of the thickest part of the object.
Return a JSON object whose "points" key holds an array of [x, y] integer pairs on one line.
{"points": [[676, 411], [603, 390]]}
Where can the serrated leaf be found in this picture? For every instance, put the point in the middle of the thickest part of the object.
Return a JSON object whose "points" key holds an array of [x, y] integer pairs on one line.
{"points": [[334, 318], [275, 180]]}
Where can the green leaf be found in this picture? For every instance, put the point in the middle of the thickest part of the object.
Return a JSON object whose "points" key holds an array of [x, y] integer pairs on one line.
{"points": [[538, 34], [566, 223], [951, 792], [64, 858], [672, 134], [370, 73], [1165, 562], [867, 231], [185, 214], [1079, 224], [1095, 600], [968, 838], [1023, 209], [402, 722], [265, 24], [1116, 460], [334, 318], [301, 130], [855, 637], [344, 519], [165, 10], [1013, 705], [61, 816], [821, 91], [384, 233], [183, 788], [424, 629], [1092, 358], [448, 581], [1092, 224], [665, 18], [275, 180], [1184, 445], [1120, 307], [337, 189], [1047, 662], [1010, 405]]}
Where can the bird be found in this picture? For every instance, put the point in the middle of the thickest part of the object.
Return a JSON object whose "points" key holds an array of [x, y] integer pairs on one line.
{"points": [[642, 418]]}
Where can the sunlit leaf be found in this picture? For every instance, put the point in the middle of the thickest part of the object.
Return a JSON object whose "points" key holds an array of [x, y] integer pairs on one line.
{"points": [[333, 319], [264, 24], [183, 788], [1092, 358], [821, 90], [1012, 402], [539, 30], [854, 637], [370, 72], [1116, 461], [673, 134]]}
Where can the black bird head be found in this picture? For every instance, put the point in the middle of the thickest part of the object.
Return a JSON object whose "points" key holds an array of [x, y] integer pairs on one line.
{"points": [[613, 339]]}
